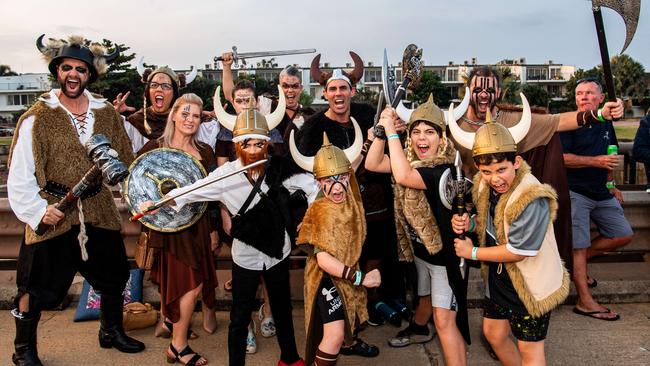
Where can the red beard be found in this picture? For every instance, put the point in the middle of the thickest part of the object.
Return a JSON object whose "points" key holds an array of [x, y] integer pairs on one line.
{"points": [[248, 158]]}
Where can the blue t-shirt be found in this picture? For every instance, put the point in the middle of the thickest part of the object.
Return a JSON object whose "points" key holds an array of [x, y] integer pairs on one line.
{"points": [[589, 141]]}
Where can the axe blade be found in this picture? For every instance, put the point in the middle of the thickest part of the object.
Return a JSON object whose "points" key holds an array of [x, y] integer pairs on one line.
{"points": [[629, 10]]}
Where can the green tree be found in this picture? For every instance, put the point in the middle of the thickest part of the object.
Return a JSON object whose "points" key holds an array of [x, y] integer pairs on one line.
{"points": [[430, 84], [120, 78], [536, 95], [365, 95], [5, 70], [629, 77], [510, 85], [205, 89], [306, 99]]}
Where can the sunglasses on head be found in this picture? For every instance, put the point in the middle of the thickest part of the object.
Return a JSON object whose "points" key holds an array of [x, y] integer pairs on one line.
{"points": [[590, 79]]}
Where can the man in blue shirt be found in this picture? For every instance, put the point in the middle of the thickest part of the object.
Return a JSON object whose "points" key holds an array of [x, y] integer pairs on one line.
{"points": [[593, 196]]}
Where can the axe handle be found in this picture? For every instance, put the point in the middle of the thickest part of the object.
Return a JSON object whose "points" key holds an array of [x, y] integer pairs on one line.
{"points": [[604, 54], [401, 92], [66, 203]]}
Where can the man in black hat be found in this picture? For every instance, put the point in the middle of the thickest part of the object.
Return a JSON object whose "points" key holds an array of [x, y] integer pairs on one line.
{"points": [[47, 158]]}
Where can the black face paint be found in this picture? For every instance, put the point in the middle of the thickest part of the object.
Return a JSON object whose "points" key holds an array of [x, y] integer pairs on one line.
{"points": [[186, 108], [485, 90], [342, 179]]}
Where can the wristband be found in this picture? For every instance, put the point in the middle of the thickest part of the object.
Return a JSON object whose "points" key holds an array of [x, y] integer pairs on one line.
{"points": [[474, 251], [392, 136], [358, 278], [611, 184], [600, 115], [472, 225]]}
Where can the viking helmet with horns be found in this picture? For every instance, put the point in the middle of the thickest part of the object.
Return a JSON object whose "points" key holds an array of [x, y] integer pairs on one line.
{"points": [[78, 48], [323, 77], [428, 112], [492, 137], [329, 160], [250, 123], [180, 80]]}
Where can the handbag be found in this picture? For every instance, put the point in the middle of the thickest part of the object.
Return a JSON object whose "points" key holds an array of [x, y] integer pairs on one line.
{"points": [[137, 315], [143, 252]]}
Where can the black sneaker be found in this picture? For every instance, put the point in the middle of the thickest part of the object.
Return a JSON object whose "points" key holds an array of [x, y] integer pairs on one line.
{"points": [[413, 334], [360, 348], [374, 318]]}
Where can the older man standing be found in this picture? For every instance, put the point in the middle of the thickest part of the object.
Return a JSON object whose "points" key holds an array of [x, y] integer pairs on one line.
{"points": [[48, 158], [593, 196]]}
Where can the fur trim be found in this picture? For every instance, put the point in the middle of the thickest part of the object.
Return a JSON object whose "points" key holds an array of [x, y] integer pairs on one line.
{"points": [[413, 210]]}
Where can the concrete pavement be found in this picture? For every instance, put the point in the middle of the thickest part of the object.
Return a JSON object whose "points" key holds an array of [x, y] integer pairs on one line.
{"points": [[572, 340]]}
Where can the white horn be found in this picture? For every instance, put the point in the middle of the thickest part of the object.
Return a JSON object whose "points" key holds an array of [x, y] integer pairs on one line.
{"points": [[191, 76], [462, 107], [140, 67], [465, 139], [520, 131], [305, 162], [226, 119], [353, 151], [403, 112], [274, 119]]}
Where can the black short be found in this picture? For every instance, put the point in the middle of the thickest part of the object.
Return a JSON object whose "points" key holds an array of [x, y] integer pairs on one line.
{"points": [[329, 302], [46, 269], [524, 327]]}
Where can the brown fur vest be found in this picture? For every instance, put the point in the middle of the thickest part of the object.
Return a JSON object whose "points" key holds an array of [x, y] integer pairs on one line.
{"points": [[59, 156], [340, 230], [541, 281], [412, 209]]}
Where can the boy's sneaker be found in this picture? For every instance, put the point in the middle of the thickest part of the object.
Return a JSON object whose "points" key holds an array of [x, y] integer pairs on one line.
{"points": [[374, 318], [360, 348], [413, 334], [251, 342]]}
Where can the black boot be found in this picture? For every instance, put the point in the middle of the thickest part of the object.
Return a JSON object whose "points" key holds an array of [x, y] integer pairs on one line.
{"points": [[26, 353], [111, 330]]}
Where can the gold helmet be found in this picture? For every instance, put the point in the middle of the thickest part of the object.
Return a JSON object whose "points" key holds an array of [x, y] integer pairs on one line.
{"points": [[329, 160], [406, 113], [249, 124], [492, 137], [428, 112]]}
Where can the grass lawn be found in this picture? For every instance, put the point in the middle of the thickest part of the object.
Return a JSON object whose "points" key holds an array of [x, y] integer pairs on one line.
{"points": [[625, 133]]}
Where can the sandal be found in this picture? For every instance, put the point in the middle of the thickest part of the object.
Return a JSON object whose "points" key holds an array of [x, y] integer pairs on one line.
{"points": [[593, 314], [186, 351], [168, 329], [593, 282]]}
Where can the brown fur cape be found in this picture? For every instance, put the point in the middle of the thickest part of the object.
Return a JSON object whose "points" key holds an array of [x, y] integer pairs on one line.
{"points": [[340, 230]]}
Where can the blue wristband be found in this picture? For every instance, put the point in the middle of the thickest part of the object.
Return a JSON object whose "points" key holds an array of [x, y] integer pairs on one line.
{"points": [[392, 136], [357, 280], [474, 251]]}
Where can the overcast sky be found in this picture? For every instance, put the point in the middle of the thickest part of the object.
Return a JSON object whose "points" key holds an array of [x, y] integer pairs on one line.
{"points": [[190, 32]]}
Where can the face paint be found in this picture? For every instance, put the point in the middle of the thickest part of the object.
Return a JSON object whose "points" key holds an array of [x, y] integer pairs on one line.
{"points": [[330, 182], [484, 94]]}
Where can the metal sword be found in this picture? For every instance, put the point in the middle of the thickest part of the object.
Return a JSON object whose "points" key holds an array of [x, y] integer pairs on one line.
{"points": [[165, 201], [244, 55]]}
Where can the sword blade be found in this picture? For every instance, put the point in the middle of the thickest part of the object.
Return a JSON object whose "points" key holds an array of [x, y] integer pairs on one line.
{"points": [[243, 55]]}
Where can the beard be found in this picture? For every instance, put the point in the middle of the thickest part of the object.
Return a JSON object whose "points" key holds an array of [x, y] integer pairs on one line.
{"points": [[481, 114], [72, 94], [248, 158]]}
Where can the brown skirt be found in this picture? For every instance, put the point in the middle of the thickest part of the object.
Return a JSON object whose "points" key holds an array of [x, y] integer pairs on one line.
{"points": [[184, 263]]}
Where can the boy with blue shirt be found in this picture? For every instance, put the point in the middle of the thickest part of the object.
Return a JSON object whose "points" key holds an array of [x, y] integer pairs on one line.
{"points": [[525, 277]]}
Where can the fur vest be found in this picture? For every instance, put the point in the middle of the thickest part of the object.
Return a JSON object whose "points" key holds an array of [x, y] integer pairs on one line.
{"points": [[412, 209], [60, 157], [340, 230], [541, 281]]}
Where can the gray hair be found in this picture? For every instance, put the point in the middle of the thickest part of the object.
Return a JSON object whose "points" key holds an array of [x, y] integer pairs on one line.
{"points": [[291, 71]]}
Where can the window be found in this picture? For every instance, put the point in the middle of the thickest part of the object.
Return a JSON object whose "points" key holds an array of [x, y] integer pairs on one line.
{"points": [[556, 74], [452, 74], [398, 76], [554, 91], [372, 76], [536, 73], [20, 99]]}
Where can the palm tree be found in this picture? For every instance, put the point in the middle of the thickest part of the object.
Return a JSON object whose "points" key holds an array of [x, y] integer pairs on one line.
{"points": [[5, 70]]}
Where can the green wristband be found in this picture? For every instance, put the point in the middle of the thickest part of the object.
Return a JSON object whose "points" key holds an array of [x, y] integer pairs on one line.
{"points": [[611, 184], [392, 136], [472, 225], [474, 252], [600, 115]]}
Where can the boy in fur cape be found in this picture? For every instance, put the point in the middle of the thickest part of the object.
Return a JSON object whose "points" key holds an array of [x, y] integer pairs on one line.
{"points": [[526, 278], [332, 233]]}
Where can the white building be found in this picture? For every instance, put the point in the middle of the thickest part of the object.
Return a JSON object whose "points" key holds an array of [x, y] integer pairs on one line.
{"points": [[17, 92]]}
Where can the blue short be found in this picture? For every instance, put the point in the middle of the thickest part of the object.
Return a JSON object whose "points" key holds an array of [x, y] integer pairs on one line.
{"points": [[607, 215]]}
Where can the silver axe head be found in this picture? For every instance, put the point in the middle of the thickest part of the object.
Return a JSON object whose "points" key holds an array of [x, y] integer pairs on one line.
{"points": [[629, 10]]}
